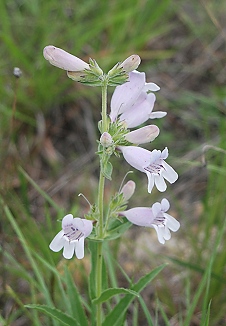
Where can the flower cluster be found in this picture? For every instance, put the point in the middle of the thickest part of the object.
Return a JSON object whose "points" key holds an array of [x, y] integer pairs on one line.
{"points": [[132, 105]]}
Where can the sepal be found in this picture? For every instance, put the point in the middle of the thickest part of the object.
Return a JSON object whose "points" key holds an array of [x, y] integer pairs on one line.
{"points": [[119, 74], [93, 76]]}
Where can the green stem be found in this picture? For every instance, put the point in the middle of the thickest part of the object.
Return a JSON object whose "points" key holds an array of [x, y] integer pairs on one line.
{"points": [[104, 107], [99, 282], [100, 231]]}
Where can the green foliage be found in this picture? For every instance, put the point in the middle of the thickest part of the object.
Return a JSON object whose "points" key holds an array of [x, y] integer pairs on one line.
{"points": [[109, 293], [56, 314], [114, 317]]}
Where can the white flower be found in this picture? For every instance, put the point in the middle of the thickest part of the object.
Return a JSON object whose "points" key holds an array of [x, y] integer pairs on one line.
{"points": [[152, 163], [133, 101], [164, 222], [154, 217], [72, 236]]}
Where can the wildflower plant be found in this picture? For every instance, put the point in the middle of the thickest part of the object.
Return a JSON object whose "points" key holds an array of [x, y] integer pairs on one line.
{"points": [[132, 104]]}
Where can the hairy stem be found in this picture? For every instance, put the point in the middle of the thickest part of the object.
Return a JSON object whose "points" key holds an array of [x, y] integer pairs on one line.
{"points": [[99, 260]]}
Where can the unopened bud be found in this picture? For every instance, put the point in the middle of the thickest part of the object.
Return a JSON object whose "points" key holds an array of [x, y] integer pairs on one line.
{"points": [[106, 139], [128, 189], [131, 63], [143, 135], [64, 60], [119, 74]]}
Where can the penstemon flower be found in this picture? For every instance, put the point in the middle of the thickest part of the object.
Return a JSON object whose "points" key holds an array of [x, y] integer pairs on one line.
{"points": [[152, 163], [72, 236], [155, 217], [133, 101]]}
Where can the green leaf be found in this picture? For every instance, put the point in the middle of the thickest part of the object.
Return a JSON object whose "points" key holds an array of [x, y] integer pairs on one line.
{"points": [[74, 299], [55, 314], [107, 169], [105, 295], [146, 311], [207, 318], [117, 228], [115, 315]]}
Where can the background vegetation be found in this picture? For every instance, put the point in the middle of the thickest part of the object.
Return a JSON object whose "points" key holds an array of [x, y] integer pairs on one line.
{"points": [[47, 154]]}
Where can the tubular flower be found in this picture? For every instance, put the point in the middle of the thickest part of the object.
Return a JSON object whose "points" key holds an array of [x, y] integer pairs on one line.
{"points": [[133, 101], [152, 163], [64, 60], [71, 237], [154, 217]]}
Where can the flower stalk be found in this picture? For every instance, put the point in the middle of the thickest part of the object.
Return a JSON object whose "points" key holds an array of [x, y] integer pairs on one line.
{"points": [[99, 259]]}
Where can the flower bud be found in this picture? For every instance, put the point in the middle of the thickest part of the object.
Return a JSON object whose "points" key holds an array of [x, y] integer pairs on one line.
{"points": [[106, 139], [131, 63], [64, 60], [17, 72], [143, 135], [128, 189]]}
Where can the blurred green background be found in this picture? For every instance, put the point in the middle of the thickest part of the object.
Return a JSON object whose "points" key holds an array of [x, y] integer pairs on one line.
{"points": [[48, 132]]}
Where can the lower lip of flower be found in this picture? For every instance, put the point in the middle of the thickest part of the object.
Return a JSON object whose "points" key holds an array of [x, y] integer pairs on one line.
{"points": [[154, 168], [73, 234], [159, 221]]}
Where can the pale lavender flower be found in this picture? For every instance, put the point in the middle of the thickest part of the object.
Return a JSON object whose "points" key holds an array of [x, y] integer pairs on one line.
{"points": [[71, 237], [143, 135], [155, 217], [64, 60], [133, 101], [152, 163], [128, 189]]}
